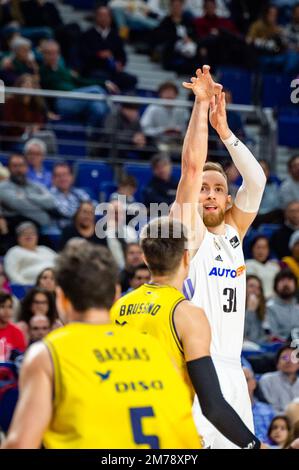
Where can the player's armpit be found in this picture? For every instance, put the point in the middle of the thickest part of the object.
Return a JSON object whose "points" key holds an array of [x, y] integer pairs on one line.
{"points": [[193, 329], [34, 408]]}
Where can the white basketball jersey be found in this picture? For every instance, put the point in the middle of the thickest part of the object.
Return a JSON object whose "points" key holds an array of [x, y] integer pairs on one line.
{"points": [[217, 283]]}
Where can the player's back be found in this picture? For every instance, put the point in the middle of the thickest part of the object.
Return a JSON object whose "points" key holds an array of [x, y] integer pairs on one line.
{"points": [[150, 309], [217, 283], [116, 388]]}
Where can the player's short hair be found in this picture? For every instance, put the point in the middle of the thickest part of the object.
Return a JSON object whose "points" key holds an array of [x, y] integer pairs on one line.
{"points": [[87, 275], [163, 241], [211, 166]]}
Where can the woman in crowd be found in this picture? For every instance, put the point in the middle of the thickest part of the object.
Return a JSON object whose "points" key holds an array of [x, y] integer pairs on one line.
{"points": [[37, 301], [46, 280], [261, 265], [255, 311], [279, 432]]}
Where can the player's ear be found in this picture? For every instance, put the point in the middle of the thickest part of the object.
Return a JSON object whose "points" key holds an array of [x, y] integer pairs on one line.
{"points": [[62, 304], [186, 259], [117, 292], [229, 201]]}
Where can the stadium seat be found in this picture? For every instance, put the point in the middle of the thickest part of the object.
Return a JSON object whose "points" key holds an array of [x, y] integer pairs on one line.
{"points": [[276, 90], [106, 189], [239, 82], [288, 124], [19, 291], [92, 174], [8, 393]]}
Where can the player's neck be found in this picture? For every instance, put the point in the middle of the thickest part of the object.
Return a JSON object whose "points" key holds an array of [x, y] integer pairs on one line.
{"points": [[172, 281], [219, 230], [92, 316]]}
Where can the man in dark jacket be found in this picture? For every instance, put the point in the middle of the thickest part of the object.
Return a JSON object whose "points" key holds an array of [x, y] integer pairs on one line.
{"points": [[280, 240], [103, 54], [163, 186]]}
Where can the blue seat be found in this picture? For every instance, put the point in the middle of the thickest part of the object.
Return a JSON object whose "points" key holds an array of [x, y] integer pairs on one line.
{"points": [[19, 291], [276, 90], [239, 82], [92, 174], [8, 393], [106, 189], [288, 134]]}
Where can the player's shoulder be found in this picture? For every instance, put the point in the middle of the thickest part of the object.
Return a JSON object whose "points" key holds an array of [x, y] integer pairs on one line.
{"points": [[36, 358], [187, 309]]}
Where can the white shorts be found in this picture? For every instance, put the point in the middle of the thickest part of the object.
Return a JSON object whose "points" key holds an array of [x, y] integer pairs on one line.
{"points": [[234, 389]]}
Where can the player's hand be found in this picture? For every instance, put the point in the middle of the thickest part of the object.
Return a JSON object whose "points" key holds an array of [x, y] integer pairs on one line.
{"points": [[218, 117], [203, 85]]}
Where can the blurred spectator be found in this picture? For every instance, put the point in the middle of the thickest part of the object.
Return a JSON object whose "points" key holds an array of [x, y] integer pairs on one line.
{"points": [[130, 15], [269, 41], [67, 197], [219, 36], [141, 276], [162, 187], [294, 437], [123, 130], [261, 265], [22, 200], [25, 116], [4, 173], [10, 11], [103, 54], [279, 432], [292, 262], [283, 310], [35, 152], [20, 61], [83, 226], [39, 327], [25, 261], [46, 280], [56, 76], [11, 337], [245, 12], [4, 282], [37, 13], [118, 234], [291, 30], [37, 302], [255, 326], [292, 412], [279, 242], [6, 238], [133, 258], [263, 413], [165, 123], [196, 7], [269, 211], [281, 387], [289, 190], [127, 187], [175, 39]]}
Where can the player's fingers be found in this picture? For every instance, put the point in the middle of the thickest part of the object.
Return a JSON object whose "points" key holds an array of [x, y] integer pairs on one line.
{"points": [[193, 80], [212, 103], [198, 73], [206, 69], [187, 85], [218, 88]]}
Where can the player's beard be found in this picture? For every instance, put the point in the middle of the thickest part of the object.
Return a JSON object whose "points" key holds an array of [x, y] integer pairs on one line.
{"points": [[214, 220]]}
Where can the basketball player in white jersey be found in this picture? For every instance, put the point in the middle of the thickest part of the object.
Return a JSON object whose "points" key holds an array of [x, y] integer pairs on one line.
{"points": [[217, 277]]}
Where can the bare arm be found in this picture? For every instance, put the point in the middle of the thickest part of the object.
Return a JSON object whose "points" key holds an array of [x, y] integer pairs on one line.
{"points": [[194, 332], [34, 407], [194, 154], [249, 196]]}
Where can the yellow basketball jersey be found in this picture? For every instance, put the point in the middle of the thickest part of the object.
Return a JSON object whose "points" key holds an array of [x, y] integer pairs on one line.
{"points": [[116, 388], [150, 309]]}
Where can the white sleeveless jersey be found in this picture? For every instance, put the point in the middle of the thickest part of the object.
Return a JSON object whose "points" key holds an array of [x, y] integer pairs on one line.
{"points": [[217, 283]]}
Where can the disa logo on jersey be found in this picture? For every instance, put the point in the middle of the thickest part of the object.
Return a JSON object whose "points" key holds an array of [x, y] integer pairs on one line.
{"points": [[232, 273]]}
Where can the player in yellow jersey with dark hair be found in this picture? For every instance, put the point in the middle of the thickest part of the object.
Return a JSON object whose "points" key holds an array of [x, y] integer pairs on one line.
{"points": [[161, 310], [113, 388]]}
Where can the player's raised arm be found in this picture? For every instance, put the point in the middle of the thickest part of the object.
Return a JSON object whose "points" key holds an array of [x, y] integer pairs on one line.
{"points": [[193, 329], [33, 411], [194, 154], [249, 196]]}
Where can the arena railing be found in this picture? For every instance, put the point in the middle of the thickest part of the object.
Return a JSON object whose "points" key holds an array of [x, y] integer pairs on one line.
{"points": [[262, 118]]}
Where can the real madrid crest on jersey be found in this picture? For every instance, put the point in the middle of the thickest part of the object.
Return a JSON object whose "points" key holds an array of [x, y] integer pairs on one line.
{"points": [[234, 242]]}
